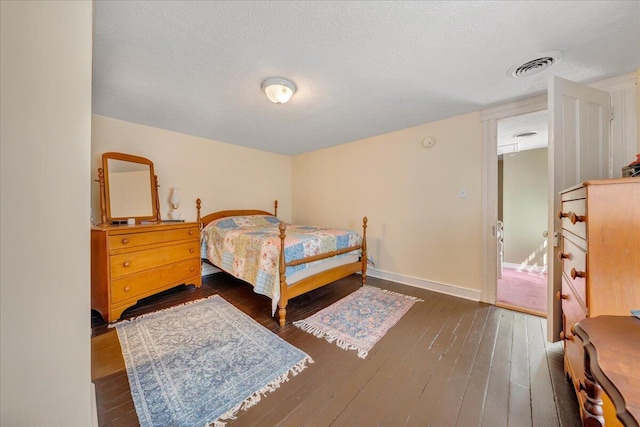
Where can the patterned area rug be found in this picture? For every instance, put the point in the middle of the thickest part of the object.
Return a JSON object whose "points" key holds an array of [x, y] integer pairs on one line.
{"points": [[359, 320], [199, 363]]}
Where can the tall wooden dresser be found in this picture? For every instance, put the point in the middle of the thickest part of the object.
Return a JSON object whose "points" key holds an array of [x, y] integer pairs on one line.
{"points": [[600, 256], [130, 262]]}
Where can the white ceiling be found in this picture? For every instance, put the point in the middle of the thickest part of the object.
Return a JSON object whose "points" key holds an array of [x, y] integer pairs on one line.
{"points": [[510, 128], [362, 68]]}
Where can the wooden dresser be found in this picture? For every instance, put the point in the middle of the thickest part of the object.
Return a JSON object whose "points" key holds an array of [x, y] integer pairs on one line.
{"points": [[130, 262], [612, 352], [600, 256]]}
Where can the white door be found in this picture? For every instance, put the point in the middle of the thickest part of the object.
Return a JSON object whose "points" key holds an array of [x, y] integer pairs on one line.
{"points": [[579, 150], [500, 236]]}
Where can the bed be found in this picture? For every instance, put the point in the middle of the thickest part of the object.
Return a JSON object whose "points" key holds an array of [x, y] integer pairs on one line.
{"points": [[281, 261]]}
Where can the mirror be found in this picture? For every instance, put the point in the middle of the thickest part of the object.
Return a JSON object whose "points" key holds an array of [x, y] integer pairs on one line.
{"points": [[128, 189]]}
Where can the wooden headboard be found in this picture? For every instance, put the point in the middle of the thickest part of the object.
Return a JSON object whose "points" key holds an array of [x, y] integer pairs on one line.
{"points": [[222, 214]]}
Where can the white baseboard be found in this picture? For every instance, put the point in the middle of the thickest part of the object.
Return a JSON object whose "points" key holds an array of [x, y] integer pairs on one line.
{"points": [[443, 288], [524, 267]]}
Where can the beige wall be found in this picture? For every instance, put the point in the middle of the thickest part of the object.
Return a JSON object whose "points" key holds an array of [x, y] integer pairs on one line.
{"points": [[638, 107], [224, 176], [525, 179], [419, 228], [45, 180]]}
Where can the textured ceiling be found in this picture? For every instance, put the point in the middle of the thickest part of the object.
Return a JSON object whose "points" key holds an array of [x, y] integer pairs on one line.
{"points": [[508, 128], [362, 68]]}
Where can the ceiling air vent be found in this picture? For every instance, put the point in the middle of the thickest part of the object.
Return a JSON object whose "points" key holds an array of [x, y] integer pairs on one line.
{"points": [[525, 134], [539, 63]]}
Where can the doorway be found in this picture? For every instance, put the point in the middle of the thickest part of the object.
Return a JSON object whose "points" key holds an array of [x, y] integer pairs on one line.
{"points": [[522, 143], [614, 139]]}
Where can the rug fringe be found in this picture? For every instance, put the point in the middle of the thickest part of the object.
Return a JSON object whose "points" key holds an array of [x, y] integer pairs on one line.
{"points": [[142, 316], [394, 293], [315, 331], [257, 396], [321, 333]]}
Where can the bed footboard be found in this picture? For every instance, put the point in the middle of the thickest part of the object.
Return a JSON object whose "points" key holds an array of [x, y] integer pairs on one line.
{"points": [[320, 279]]}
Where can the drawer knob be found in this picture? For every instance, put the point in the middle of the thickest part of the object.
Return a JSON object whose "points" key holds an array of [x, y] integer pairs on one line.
{"points": [[191, 250], [190, 232], [126, 264], [563, 214], [575, 273], [125, 241], [566, 337], [192, 269], [560, 296], [577, 218], [562, 255], [127, 288]]}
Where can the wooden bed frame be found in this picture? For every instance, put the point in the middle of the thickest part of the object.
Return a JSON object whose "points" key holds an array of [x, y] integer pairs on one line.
{"points": [[312, 282]]}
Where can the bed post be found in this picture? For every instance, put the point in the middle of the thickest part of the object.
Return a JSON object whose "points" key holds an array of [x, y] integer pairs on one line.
{"points": [[363, 256], [198, 203], [282, 303], [275, 207]]}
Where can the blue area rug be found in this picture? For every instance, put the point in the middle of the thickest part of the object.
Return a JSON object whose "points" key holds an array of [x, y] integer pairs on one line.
{"points": [[359, 320], [199, 363]]}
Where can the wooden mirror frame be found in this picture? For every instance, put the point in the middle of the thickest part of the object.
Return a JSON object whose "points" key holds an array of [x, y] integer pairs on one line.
{"points": [[103, 179]]}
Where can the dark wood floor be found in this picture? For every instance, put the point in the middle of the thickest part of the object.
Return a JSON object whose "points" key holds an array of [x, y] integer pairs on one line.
{"points": [[447, 362]]}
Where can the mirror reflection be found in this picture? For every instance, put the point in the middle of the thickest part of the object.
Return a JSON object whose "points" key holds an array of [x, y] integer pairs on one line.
{"points": [[129, 189]]}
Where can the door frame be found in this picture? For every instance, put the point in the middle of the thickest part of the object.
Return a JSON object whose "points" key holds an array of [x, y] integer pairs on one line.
{"points": [[489, 118], [625, 137]]}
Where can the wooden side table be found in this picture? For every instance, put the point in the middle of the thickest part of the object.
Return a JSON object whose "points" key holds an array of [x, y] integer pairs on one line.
{"points": [[612, 364]]}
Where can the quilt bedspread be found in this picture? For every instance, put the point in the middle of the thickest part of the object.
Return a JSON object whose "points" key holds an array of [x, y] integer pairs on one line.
{"points": [[248, 247]]}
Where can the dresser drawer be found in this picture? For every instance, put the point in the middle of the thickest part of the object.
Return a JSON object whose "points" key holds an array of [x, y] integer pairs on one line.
{"points": [[122, 241], [573, 312], [136, 261], [572, 307], [578, 208], [145, 283], [575, 194], [130, 262], [574, 266]]}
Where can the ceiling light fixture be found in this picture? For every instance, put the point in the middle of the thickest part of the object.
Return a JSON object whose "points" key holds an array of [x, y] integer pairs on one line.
{"points": [[278, 90]]}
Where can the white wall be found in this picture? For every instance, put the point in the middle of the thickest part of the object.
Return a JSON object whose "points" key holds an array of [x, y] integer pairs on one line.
{"points": [[524, 207], [623, 90], [45, 158], [420, 232], [224, 176]]}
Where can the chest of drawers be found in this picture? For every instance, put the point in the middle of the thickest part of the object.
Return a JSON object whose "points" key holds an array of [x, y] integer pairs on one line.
{"points": [[600, 256], [132, 262]]}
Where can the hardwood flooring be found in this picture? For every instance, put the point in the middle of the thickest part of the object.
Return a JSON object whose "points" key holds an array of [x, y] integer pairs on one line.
{"points": [[447, 362]]}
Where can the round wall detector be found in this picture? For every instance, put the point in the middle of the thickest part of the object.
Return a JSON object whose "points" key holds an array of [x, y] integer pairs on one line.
{"points": [[428, 142]]}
